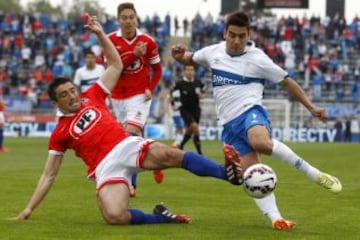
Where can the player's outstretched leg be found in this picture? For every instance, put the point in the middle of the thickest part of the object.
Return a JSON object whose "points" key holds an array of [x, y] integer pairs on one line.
{"points": [[233, 170], [329, 182], [285, 154], [170, 217]]}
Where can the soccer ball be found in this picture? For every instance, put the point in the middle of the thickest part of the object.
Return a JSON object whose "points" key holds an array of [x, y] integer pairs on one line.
{"points": [[259, 180]]}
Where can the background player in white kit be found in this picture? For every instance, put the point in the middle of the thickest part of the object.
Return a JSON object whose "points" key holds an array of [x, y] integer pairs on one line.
{"points": [[88, 74], [239, 71]]}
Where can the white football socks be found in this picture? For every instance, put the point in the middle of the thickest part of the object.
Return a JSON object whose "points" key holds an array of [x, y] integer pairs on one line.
{"points": [[268, 207], [285, 154]]}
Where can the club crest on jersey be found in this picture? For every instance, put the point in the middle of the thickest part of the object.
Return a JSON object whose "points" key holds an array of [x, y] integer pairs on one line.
{"points": [[135, 67], [84, 121]]}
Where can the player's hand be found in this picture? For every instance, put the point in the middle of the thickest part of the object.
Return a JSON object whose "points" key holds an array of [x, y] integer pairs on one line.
{"points": [[148, 94], [24, 215], [178, 51], [93, 24], [140, 49], [319, 113]]}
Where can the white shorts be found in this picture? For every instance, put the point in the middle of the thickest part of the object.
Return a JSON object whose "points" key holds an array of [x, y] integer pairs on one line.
{"points": [[133, 110], [2, 118], [122, 162]]}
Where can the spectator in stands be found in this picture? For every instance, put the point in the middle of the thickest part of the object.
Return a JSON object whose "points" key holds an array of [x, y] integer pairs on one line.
{"points": [[168, 74], [176, 25], [317, 86], [185, 26], [339, 130], [347, 132]]}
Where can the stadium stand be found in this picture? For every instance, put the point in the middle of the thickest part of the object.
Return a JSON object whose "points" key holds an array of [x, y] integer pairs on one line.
{"points": [[36, 48]]}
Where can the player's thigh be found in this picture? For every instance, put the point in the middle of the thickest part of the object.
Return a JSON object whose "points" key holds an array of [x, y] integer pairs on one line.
{"points": [[113, 202], [259, 138], [137, 109], [161, 156]]}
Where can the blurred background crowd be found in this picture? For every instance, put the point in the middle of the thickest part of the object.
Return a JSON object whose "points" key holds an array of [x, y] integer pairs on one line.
{"points": [[322, 54]]}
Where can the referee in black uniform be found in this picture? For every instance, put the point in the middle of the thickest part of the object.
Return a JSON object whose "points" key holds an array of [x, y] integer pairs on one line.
{"points": [[190, 91]]}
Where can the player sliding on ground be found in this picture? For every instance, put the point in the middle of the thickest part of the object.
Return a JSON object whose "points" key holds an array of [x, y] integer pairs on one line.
{"points": [[111, 154]]}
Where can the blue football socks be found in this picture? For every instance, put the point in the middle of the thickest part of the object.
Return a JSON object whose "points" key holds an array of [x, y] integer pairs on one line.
{"points": [[201, 166], [139, 217]]}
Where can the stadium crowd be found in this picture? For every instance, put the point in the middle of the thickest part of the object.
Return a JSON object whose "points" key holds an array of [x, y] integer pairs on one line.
{"points": [[323, 54], [34, 49]]}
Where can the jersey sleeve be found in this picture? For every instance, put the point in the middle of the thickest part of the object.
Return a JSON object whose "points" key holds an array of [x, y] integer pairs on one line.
{"points": [[55, 145], [97, 93], [270, 70], [201, 56], [152, 53]]}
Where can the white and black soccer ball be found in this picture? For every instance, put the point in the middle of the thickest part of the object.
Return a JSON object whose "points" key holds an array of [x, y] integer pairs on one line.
{"points": [[259, 180]]}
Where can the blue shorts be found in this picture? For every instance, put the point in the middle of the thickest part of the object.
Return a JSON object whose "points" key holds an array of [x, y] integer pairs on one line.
{"points": [[235, 131], [179, 122]]}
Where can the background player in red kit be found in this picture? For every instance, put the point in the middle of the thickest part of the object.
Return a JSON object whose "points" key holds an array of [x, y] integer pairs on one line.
{"points": [[131, 97], [111, 154]]}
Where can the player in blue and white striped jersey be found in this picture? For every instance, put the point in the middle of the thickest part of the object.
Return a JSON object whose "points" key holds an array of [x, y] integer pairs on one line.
{"points": [[239, 72]]}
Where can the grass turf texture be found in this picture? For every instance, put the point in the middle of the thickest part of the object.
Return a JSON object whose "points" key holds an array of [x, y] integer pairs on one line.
{"points": [[218, 209]]}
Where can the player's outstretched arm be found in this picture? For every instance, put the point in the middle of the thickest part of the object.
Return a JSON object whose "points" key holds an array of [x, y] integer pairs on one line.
{"points": [[180, 54], [45, 182], [296, 91], [114, 64]]}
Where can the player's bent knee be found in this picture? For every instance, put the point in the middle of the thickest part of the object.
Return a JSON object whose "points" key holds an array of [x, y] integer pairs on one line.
{"points": [[264, 147], [173, 157], [122, 218]]}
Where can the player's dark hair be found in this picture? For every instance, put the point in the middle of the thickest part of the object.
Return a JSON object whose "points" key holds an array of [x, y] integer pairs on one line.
{"points": [[125, 5], [54, 84], [239, 19], [88, 51]]}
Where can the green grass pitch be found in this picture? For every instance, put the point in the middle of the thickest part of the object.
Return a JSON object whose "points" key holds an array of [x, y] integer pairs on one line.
{"points": [[218, 209]]}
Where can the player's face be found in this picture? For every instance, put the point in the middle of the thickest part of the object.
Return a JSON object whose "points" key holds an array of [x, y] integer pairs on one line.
{"points": [[128, 22], [67, 98], [236, 38], [90, 61]]}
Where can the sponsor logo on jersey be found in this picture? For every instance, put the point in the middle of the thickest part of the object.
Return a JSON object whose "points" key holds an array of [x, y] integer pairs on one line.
{"points": [[84, 121]]}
